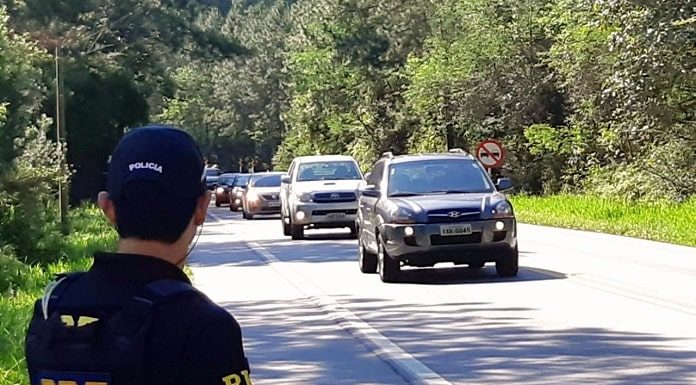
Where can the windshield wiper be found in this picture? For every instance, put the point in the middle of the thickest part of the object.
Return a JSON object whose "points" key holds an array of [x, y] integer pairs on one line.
{"points": [[452, 192], [404, 194]]}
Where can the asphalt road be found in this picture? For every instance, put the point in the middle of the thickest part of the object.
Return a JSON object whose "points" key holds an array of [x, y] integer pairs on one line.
{"points": [[586, 308]]}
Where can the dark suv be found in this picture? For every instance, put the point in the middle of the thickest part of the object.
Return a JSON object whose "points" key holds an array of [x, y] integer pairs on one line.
{"points": [[419, 210]]}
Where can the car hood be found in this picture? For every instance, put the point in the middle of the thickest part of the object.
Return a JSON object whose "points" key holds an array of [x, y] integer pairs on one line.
{"points": [[479, 205], [326, 185]]}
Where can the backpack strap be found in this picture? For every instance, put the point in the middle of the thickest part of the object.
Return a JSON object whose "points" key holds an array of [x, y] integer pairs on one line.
{"points": [[55, 289], [135, 314], [165, 290]]}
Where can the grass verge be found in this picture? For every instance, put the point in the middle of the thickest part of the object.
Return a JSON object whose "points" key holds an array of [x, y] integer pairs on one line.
{"points": [[674, 223], [90, 233]]}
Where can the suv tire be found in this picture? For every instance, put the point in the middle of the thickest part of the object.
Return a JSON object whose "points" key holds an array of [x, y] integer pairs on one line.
{"points": [[509, 266], [389, 268], [286, 226], [366, 260], [353, 231], [296, 232], [217, 203]]}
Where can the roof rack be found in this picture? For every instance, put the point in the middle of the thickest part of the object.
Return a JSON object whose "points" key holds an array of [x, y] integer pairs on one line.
{"points": [[457, 150], [387, 154]]}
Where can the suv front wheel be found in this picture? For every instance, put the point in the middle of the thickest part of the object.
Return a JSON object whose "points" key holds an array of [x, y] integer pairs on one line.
{"points": [[509, 266], [366, 260], [296, 232], [389, 268]]}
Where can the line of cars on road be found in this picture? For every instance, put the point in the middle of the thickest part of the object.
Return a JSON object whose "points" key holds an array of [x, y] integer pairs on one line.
{"points": [[409, 210]]}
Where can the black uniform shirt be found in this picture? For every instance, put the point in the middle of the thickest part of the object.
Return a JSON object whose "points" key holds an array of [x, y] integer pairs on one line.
{"points": [[192, 340]]}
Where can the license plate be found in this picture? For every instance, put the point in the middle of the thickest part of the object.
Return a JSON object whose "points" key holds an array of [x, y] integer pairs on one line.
{"points": [[273, 204], [458, 229], [336, 215]]}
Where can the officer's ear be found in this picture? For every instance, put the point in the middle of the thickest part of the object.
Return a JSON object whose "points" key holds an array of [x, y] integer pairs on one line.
{"points": [[107, 206], [202, 208]]}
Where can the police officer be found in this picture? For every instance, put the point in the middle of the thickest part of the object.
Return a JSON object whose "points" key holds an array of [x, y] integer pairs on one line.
{"points": [[134, 317]]}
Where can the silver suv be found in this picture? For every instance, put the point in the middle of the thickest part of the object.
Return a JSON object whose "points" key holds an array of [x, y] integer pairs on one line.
{"points": [[420, 210], [320, 192]]}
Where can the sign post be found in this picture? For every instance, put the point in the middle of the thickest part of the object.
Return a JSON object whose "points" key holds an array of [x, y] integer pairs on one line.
{"points": [[491, 154]]}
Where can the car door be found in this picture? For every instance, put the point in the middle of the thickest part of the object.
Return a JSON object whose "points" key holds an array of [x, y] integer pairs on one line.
{"points": [[368, 204]]}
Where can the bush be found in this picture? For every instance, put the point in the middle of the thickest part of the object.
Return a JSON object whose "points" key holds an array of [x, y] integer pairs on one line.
{"points": [[23, 284]]}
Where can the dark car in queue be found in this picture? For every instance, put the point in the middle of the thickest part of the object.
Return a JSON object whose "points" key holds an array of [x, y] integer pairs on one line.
{"points": [[262, 196], [212, 174], [222, 191], [420, 210], [237, 190]]}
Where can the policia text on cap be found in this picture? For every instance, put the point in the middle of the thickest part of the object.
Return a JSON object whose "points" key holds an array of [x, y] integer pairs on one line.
{"points": [[134, 317]]}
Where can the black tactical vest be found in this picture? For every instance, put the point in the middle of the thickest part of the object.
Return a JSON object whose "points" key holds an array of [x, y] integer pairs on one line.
{"points": [[93, 345]]}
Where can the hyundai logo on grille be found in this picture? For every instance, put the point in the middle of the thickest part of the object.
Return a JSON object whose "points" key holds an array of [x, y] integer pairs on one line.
{"points": [[455, 214], [274, 197], [335, 196]]}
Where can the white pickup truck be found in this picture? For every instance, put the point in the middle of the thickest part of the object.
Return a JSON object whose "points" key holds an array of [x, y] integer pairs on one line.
{"points": [[320, 192]]}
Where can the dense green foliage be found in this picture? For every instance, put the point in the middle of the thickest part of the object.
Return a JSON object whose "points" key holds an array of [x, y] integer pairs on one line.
{"points": [[655, 221], [20, 285]]}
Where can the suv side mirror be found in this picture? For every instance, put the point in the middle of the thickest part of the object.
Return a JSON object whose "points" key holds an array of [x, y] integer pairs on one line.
{"points": [[371, 191], [285, 179], [368, 175], [503, 184]]}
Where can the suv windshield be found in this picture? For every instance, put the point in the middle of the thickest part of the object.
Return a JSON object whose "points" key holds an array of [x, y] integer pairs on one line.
{"points": [[241, 181], [226, 180], [266, 181], [439, 176], [338, 170]]}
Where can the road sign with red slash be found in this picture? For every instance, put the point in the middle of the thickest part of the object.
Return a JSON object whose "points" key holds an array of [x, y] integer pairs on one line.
{"points": [[490, 153]]}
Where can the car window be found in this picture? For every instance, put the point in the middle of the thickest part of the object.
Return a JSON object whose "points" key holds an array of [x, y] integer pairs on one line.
{"points": [[337, 170], [241, 181], [291, 171], [376, 176], [226, 180], [438, 176], [266, 181]]}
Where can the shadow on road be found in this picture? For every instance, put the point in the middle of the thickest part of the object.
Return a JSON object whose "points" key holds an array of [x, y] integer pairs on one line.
{"points": [[230, 253], [465, 342]]}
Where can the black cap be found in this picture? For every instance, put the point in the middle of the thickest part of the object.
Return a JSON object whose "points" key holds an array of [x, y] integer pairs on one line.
{"points": [[158, 170], [164, 155]]}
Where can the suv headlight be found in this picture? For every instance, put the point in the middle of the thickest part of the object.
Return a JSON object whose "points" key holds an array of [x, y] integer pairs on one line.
{"points": [[303, 196], [402, 215], [503, 209], [252, 197], [220, 190]]}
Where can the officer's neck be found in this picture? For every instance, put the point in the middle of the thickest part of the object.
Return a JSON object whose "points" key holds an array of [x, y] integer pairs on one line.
{"points": [[172, 253]]}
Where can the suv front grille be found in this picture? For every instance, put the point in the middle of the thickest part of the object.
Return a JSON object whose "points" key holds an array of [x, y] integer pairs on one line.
{"points": [[454, 215], [340, 197], [327, 212], [270, 197], [439, 240]]}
